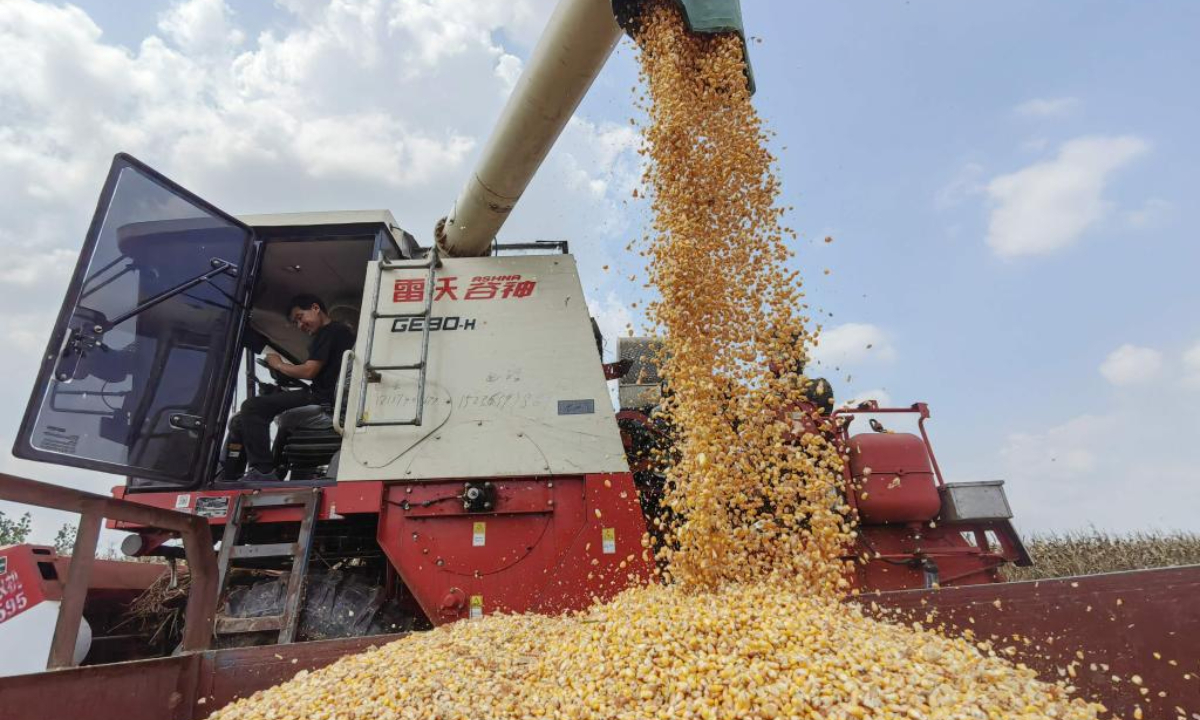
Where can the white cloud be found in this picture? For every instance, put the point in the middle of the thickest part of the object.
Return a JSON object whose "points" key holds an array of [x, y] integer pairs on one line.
{"points": [[373, 146], [342, 105], [508, 69], [1035, 145], [27, 333], [852, 344], [1153, 212], [1191, 366], [608, 159], [879, 395], [614, 318], [1049, 205], [1112, 471], [1131, 365], [1063, 451], [1047, 107], [201, 27], [31, 266], [968, 182]]}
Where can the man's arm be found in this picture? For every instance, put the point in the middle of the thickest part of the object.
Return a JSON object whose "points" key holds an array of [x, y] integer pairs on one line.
{"points": [[306, 370]]}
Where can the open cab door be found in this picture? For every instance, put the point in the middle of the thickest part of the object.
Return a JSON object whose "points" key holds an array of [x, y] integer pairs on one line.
{"points": [[137, 373]]}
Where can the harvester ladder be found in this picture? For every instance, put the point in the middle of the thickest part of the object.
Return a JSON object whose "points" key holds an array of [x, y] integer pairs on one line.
{"points": [[371, 372], [309, 501]]}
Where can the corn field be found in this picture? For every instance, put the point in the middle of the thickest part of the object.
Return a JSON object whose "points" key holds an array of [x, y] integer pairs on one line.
{"points": [[1090, 552]]}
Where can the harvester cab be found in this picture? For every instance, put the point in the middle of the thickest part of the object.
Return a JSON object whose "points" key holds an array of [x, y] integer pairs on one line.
{"points": [[169, 297]]}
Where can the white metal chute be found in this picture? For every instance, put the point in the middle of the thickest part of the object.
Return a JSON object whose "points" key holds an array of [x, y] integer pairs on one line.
{"points": [[578, 39]]}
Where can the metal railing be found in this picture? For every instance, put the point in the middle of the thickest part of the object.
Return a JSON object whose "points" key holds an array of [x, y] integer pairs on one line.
{"points": [[93, 509], [370, 371]]}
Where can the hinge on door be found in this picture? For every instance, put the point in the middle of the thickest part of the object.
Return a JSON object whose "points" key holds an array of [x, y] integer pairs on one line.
{"points": [[179, 421]]}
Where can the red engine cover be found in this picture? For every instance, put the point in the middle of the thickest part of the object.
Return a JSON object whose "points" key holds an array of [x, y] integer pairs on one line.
{"points": [[897, 481], [550, 544]]}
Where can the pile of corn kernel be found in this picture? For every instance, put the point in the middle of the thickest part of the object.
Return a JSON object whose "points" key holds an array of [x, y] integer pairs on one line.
{"points": [[743, 651], [749, 621]]}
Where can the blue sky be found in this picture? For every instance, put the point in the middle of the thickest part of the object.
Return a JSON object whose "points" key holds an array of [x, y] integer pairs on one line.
{"points": [[897, 117], [1007, 185]]}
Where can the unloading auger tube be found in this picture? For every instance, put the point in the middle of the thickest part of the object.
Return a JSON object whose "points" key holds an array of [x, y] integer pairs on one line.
{"points": [[577, 41]]}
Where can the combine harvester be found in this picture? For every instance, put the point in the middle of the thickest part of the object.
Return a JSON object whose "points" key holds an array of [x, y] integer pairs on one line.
{"points": [[469, 463]]}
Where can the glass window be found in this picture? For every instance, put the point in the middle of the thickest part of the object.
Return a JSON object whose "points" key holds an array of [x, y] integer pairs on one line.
{"points": [[146, 342]]}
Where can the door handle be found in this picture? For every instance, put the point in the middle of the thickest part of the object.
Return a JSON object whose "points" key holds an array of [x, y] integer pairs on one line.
{"points": [[338, 403]]}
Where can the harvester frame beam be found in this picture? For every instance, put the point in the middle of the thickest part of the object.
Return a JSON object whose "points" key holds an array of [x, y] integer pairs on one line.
{"points": [[92, 508]]}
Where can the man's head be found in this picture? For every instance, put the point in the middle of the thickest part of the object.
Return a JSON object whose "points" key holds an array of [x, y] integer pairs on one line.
{"points": [[308, 312]]}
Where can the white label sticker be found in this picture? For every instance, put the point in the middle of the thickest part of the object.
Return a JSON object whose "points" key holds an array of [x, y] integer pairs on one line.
{"points": [[476, 607], [212, 507], [609, 535], [183, 502], [479, 536]]}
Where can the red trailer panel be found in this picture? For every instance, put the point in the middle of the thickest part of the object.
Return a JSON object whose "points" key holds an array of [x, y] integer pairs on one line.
{"points": [[1157, 614], [184, 687], [1144, 624]]}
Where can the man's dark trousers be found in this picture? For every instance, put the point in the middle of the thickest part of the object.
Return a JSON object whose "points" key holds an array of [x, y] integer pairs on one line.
{"points": [[252, 426]]}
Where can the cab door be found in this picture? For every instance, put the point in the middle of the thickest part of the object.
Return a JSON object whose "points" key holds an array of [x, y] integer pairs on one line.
{"points": [[137, 371]]}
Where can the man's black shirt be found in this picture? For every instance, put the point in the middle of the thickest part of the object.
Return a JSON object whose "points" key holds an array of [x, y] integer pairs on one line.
{"points": [[328, 346]]}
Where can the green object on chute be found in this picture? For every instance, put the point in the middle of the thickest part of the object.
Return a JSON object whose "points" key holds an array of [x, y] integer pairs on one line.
{"points": [[701, 16]]}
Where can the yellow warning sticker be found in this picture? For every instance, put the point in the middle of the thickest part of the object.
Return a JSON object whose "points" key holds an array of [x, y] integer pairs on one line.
{"points": [[479, 537], [609, 535], [476, 607]]}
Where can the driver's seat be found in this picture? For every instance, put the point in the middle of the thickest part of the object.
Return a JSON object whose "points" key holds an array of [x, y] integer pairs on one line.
{"points": [[306, 443]]}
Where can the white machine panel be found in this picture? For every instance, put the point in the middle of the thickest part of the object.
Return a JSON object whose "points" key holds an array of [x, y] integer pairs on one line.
{"points": [[26, 638], [514, 387]]}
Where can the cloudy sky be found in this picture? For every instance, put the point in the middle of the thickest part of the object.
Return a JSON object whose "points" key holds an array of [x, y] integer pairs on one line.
{"points": [[1008, 185]]}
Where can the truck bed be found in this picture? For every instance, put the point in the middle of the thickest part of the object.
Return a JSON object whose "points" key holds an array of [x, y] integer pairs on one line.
{"points": [[1119, 621]]}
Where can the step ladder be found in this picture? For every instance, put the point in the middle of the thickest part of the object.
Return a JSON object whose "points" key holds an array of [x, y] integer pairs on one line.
{"points": [[309, 502], [371, 372]]}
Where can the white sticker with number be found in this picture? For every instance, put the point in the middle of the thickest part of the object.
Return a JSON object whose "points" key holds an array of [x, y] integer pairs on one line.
{"points": [[183, 502]]}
